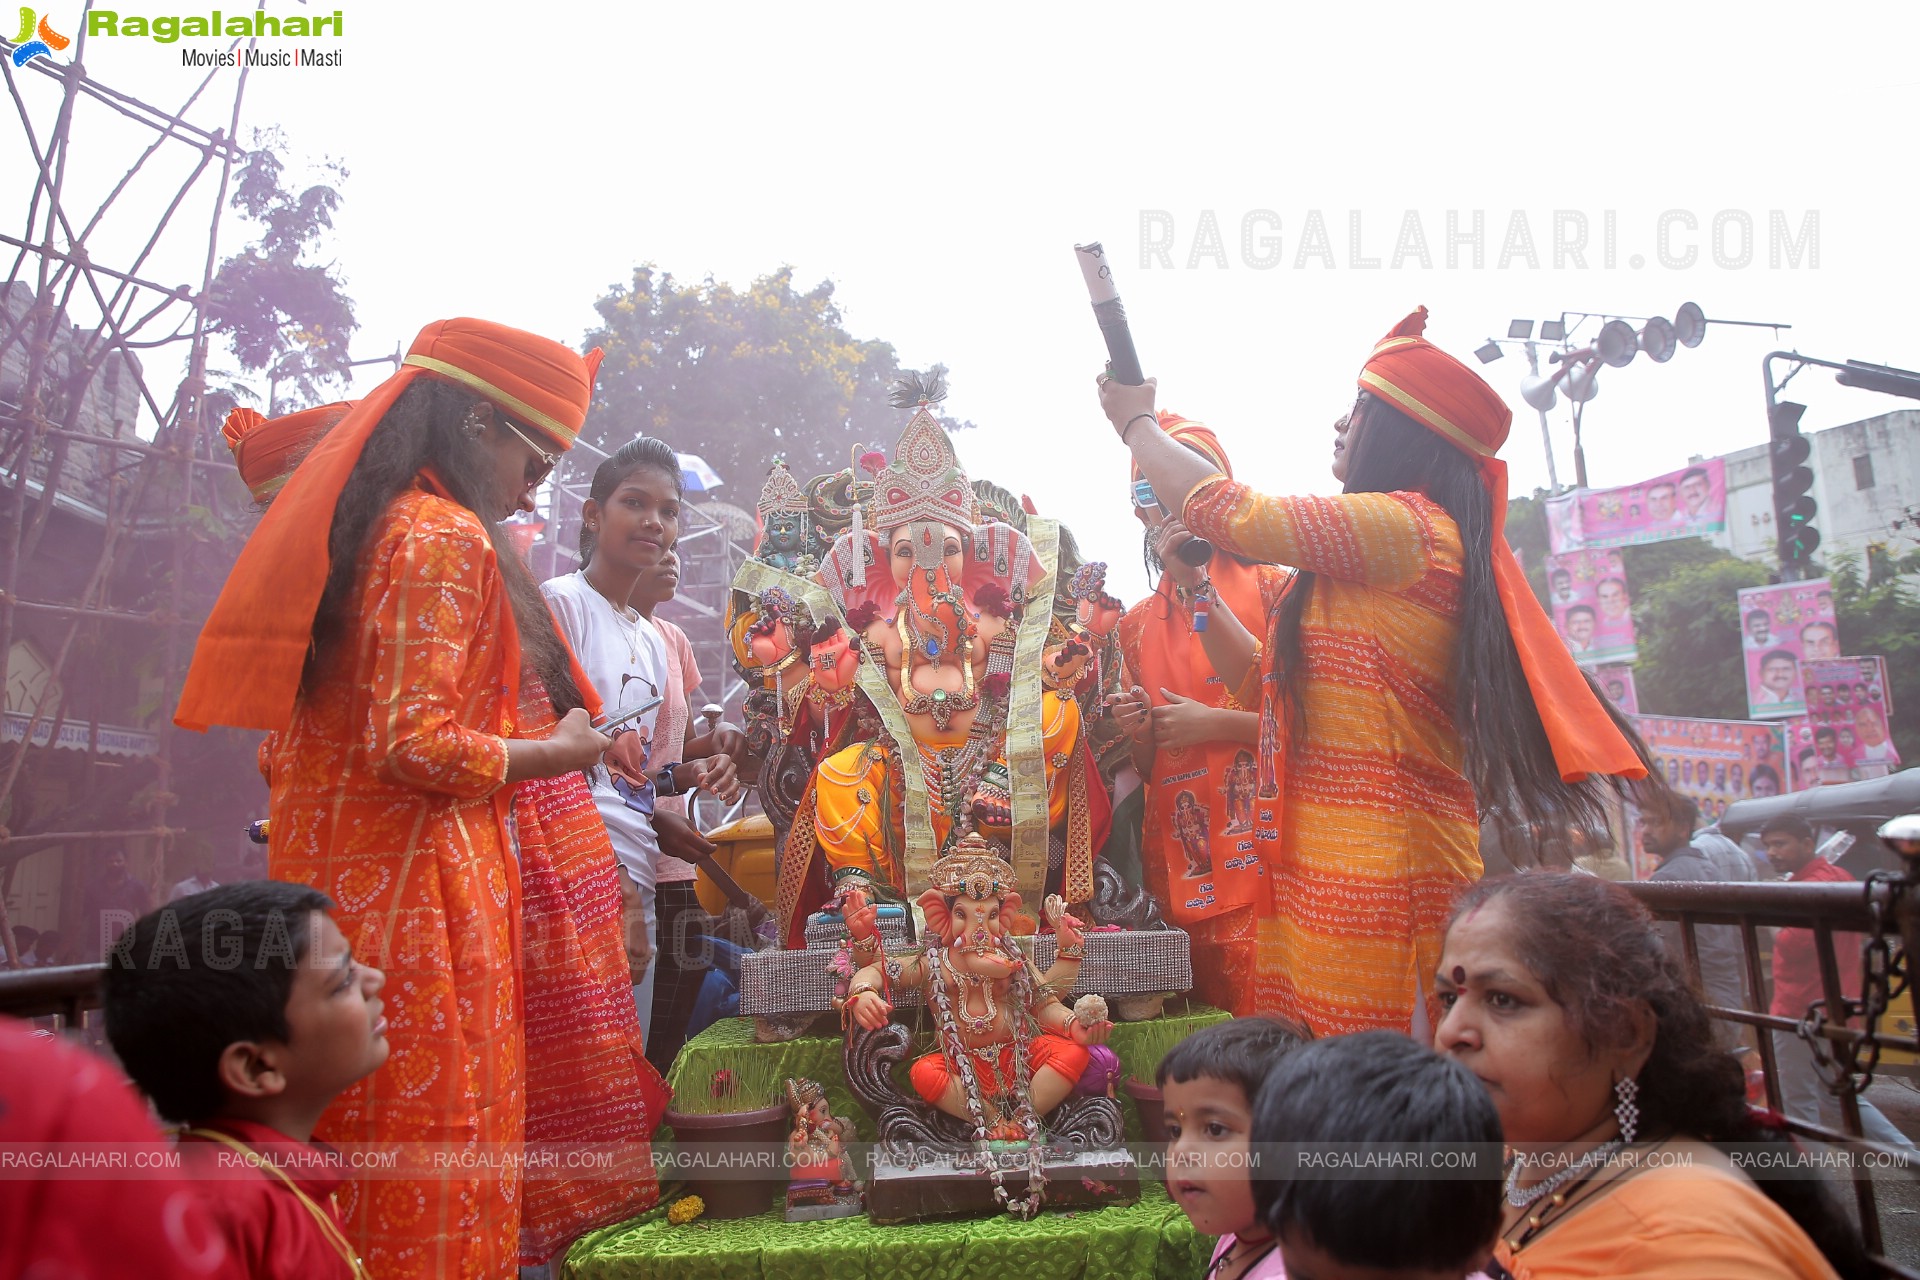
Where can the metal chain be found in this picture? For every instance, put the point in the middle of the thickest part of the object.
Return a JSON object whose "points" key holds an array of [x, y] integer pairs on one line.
{"points": [[1884, 976]]}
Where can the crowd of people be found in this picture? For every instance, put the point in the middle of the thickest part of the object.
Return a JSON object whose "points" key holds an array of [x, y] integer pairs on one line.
{"points": [[474, 932]]}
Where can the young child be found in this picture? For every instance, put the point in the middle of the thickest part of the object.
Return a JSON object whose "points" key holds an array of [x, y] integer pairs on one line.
{"points": [[241, 1013], [1377, 1092], [1208, 1083]]}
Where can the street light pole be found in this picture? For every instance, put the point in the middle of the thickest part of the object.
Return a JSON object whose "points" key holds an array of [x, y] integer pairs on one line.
{"points": [[1546, 433]]}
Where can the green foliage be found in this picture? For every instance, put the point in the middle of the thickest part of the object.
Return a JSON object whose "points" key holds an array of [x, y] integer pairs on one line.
{"points": [[281, 312], [740, 375], [1687, 615], [1878, 613], [1527, 535], [751, 1083]]}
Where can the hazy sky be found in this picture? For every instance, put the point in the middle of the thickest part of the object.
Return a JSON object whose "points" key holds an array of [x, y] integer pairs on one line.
{"points": [[939, 164]]}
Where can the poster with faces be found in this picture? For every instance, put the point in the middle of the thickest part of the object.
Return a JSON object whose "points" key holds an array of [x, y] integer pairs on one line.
{"points": [[1844, 737], [1716, 762], [1781, 629], [1587, 594], [1680, 504], [1616, 681]]}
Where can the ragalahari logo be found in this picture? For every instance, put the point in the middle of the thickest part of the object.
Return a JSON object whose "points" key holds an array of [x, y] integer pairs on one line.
{"points": [[35, 40]]}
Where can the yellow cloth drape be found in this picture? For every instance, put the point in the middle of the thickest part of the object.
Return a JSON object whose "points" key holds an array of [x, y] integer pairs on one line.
{"points": [[857, 807]]}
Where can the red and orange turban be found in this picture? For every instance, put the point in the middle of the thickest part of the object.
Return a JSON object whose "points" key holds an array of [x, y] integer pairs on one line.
{"points": [[1451, 400], [266, 450], [1196, 436], [262, 622]]}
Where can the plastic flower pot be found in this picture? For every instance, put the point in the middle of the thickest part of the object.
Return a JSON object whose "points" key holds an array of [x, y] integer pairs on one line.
{"points": [[735, 1158]]}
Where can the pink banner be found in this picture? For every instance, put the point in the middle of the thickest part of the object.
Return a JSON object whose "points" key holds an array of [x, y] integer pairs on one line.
{"points": [[1680, 504], [1587, 593], [1844, 735], [1782, 627], [1617, 683], [1715, 762]]}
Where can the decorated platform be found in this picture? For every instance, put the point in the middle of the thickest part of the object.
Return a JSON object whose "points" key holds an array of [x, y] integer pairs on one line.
{"points": [[1149, 1238], [1119, 963], [728, 1044]]}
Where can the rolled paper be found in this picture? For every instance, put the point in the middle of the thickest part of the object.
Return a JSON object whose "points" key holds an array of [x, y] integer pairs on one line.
{"points": [[1093, 265], [1122, 362]]}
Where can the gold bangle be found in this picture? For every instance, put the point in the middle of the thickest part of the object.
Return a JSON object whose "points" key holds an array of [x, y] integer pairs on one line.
{"points": [[865, 989], [1071, 953]]}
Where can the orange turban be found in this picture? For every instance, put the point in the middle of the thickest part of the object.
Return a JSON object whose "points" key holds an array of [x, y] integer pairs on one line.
{"points": [[247, 663], [266, 450], [1196, 436], [1451, 400]]}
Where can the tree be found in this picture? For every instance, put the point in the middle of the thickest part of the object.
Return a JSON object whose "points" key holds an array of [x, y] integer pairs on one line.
{"points": [[282, 313], [738, 376], [1686, 613]]}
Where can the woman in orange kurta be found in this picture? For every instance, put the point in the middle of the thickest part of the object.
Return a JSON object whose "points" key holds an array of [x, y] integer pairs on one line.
{"points": [[1408, 671], [395, 746], [587, 1077], [1197, 761]]}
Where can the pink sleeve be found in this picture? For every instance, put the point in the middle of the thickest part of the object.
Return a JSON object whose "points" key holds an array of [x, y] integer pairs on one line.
{"points": [[689, 665]]}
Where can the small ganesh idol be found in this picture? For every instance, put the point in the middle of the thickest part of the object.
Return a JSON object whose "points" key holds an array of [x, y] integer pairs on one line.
{"points": [[1010, 1051], [821, 1184], [786, 526]]}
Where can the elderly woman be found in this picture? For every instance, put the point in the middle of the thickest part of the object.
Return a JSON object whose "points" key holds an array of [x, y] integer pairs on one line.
{"points": [[1556, 991], [379, 623], [1409, 675]]}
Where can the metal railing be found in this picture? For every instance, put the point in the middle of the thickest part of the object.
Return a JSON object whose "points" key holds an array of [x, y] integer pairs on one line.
{"points": [[1846, 1035]]}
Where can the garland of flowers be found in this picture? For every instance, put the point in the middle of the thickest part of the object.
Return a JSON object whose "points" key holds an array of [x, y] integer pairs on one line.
{"points": [[1019, 1020]]}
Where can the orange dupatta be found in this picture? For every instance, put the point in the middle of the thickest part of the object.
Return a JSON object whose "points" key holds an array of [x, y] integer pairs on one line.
{"points": [[248, 660]]}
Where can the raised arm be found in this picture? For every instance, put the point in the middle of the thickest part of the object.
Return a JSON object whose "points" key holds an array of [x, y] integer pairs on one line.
{"points": [[1379, 539]]}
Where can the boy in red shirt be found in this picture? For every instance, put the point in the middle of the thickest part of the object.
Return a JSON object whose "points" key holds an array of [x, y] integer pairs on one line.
{"points": [[1796, 985], [241, 1013]]}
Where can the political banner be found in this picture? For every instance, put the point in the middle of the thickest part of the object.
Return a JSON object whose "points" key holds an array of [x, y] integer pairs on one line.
{"points": [[1616, 681], [1844, 735], [1716, 762], [1587, 592], [1680, 504], [1782, 627]]}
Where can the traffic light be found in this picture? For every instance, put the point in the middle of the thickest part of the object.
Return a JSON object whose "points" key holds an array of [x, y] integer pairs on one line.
{"points": [[1793, 505]]}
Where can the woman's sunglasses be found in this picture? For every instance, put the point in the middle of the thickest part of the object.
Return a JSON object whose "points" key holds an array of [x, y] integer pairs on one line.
{"points": [[542, 464]]}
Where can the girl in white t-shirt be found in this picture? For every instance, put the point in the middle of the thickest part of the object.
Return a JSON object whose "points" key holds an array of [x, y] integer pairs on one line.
{"points": [[631, 523]]}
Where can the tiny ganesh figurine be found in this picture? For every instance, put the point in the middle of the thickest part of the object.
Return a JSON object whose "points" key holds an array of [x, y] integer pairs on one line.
{"points": [[821, 1183]]}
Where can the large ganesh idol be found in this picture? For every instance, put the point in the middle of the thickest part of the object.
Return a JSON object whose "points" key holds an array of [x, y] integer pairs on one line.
{"points": [[975, 686]]}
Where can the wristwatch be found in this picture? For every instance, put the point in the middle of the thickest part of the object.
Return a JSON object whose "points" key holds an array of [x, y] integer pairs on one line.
{"points": [[664, 784]]}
